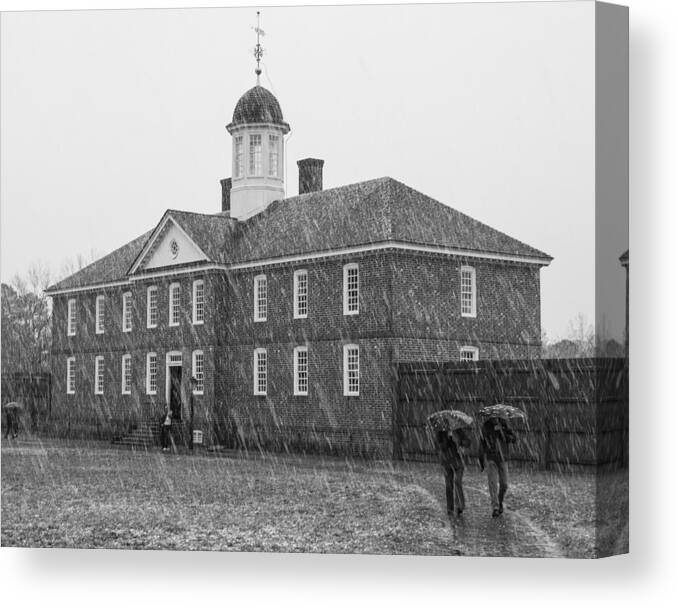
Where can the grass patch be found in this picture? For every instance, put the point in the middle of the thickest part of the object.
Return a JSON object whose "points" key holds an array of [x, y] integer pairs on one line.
{"points": [[79, 496]]}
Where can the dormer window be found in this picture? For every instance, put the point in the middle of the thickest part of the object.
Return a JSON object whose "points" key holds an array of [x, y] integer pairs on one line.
{"points": [[255, 155]]}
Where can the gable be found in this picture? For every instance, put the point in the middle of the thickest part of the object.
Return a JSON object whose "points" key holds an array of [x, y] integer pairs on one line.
{"points": [[171, 247]]}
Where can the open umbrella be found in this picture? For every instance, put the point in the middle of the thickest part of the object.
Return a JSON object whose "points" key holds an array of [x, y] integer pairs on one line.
{"points": [[13, 405], [501, 410], [449, 420]]}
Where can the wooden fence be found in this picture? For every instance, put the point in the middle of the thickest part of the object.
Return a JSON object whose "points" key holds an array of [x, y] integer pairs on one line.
{"points": [[577, 409]]}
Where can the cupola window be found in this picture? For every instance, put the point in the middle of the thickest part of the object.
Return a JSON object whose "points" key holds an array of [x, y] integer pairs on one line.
{"points": [[255, 155], [273, 156], [239, 165]]}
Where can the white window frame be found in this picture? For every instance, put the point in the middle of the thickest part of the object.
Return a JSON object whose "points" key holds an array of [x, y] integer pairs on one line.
{"points": [[348, 391], [252, 169], [99, 314], [174, 307], [70, 376], [260, 311], [257, 374], [298, 294], [124, 389], [347, 308], [72, 317], [198, 319], [238, 156], [127, 312], [200, 388], [151, 375], [273, 153], [298, 390], [150, 310], [99, 375], [473, 293], [475, 353]]}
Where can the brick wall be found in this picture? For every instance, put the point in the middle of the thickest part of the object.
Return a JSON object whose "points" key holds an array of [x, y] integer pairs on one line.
{"points": [[409, 311], [427, 309], [113, 412]]}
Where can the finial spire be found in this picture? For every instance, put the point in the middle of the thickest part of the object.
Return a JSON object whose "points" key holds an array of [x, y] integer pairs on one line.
{"points": [[258, 50]]}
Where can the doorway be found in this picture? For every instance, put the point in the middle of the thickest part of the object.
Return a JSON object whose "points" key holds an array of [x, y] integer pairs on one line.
{"points": [[175, 392], [173, 388]]}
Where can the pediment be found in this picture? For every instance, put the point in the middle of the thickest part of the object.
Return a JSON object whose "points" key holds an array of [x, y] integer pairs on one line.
{"points": [[169, 246]]}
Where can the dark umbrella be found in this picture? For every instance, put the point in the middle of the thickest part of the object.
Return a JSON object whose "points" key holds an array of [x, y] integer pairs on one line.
{"points": [[501, 410], [449, 420]]}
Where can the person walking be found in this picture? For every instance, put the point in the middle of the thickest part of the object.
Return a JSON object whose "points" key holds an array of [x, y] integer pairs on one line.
{"points": [[12, 421], [165, 429], [494, 450], [450, 457]]}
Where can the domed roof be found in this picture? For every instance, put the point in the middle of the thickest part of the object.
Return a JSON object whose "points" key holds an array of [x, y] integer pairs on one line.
{"points": [[256, 106]]}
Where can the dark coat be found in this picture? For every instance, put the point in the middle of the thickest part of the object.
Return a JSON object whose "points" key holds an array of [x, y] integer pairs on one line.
{"points": [[495, 439], [448, 447]]}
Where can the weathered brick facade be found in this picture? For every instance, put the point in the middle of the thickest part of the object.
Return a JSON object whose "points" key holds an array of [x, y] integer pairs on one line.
{"points": [[409, 311]]}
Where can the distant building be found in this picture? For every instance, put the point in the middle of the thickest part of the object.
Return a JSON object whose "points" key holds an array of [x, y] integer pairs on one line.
{"points": [[291, 313]]}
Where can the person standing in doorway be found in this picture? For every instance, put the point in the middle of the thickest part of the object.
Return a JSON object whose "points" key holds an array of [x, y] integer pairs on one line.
{"points": [[165, 430], [449, 455], [494, 450]]}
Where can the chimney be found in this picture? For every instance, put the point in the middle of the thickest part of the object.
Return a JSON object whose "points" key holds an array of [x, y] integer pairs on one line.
{"points": [[226, 195], [310, 175]]}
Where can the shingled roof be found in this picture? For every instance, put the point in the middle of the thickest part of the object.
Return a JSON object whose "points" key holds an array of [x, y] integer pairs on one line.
{"points": [[366, 213], [112, 267]]}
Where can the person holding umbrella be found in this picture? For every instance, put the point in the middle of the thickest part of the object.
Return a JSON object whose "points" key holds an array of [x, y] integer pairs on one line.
{"points": [[12, 419], [451, 436], [495, 437]]}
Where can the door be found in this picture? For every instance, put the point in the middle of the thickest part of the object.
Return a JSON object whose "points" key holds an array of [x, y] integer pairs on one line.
{"points": [[175, 391]]}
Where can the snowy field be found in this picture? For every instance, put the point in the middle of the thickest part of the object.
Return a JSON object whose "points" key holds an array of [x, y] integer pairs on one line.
{"points": [[58, 494]]}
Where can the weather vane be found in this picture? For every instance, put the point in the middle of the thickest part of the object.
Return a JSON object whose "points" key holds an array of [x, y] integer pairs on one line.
{"points": [[258, 50]]}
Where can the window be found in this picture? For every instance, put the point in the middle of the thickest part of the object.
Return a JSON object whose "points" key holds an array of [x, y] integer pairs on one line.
{"points": [[468, 291], [260, 362], [300, 294], [260, 298], [239, 168], [99, 314], [70, 375], [301, 370], [198, 372], [174, 303], [72, 317], [198, 302], [351, 289], [126, 374], [273, 156], [351, 370], [127, 311], [151, 374], [255, 154], [152, 307], [468, 353], [99, 375]]}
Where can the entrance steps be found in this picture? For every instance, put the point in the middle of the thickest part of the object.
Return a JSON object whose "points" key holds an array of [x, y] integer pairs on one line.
{"points": [[146, 436]]}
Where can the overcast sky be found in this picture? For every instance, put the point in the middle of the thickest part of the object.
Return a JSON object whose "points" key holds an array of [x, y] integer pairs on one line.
{"points": [[111, 117]]}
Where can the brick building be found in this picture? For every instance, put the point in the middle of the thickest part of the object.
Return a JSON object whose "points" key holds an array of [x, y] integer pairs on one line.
{"points": [[290, 313]]}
